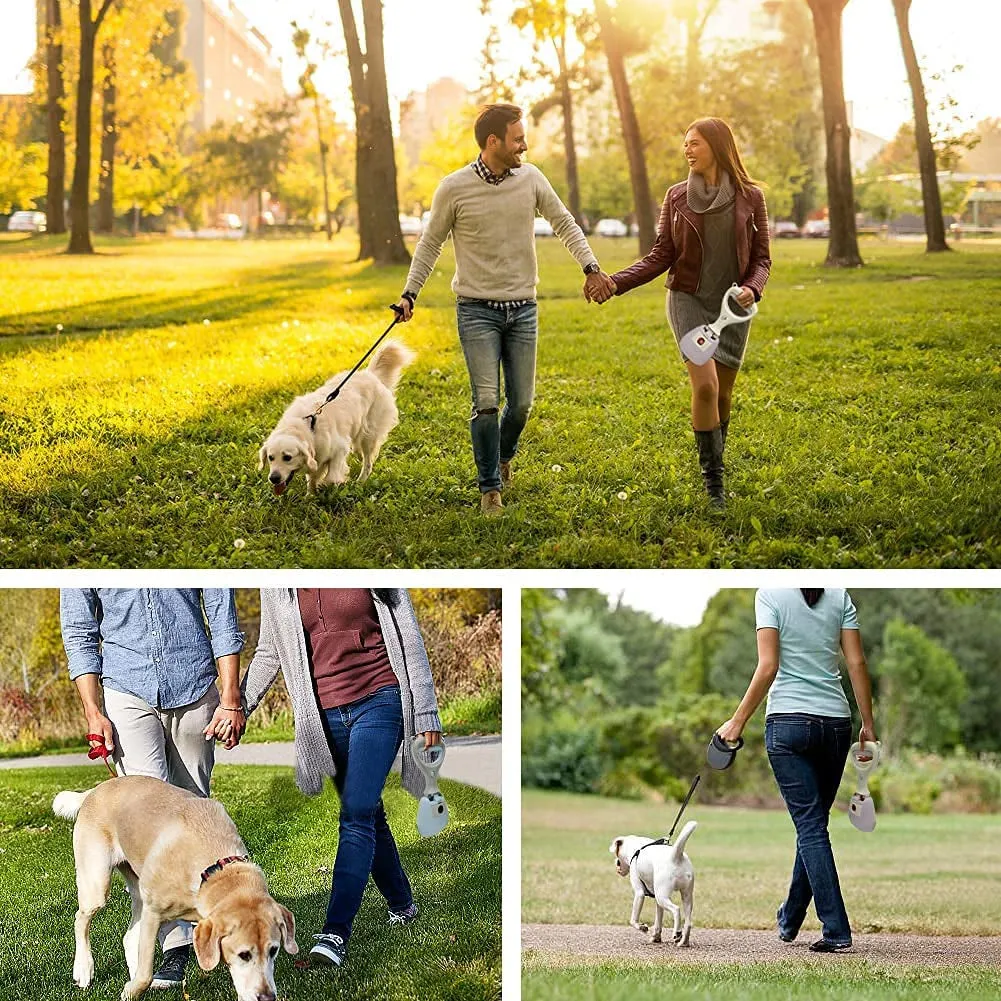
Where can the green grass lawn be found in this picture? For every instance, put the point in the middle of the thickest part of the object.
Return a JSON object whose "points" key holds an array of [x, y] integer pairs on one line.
{"points": [[139, 384], [845, 980], [453, 952], [925, 875]]}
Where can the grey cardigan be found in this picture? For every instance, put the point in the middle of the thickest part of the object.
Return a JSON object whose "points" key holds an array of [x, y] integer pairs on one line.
{"points": [[282, 646]]}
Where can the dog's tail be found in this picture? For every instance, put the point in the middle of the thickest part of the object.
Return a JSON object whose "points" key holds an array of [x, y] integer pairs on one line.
{"points": [[389, 361], [686, 832], [67, 804]]}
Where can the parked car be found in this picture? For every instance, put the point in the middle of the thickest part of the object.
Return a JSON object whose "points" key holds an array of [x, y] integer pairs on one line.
{"points": [[410, 225], [611, 227], [27, 222], [425, 219], [787, 229], [228, 220], [817, 228], [542, 227]]}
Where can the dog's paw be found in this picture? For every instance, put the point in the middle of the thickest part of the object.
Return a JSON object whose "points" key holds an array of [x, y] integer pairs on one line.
{"points": [[655, 937], [83, 971], [133, 989], [682, 942], [677, 937], [643, 927]]}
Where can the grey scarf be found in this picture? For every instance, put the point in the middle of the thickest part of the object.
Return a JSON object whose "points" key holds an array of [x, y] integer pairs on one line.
{"points": [[702, 198]]}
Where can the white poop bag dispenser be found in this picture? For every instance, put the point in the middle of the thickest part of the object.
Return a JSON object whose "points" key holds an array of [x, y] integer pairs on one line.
{"points": [[700, 343], [432, 810], [861, 809]]}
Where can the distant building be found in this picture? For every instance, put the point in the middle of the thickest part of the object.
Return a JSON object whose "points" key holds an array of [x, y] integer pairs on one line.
{"points": [[422, 113], [231, 60], [864, 146]]}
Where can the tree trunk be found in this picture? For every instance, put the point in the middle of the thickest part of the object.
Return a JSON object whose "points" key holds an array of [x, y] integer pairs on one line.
{"points": [[109, 138], [323, 166], [55, 194], [375, 163], [842, 250], [570, 145], [642, 201], [80, 192], [932, 200]]}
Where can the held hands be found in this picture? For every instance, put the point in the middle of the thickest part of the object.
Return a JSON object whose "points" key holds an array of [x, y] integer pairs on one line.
{"points": [[227, 727], [745, 297], [598, 287]]}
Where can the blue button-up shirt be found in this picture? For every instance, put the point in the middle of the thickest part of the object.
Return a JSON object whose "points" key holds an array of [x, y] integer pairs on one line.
{"points": [[155, 643]]}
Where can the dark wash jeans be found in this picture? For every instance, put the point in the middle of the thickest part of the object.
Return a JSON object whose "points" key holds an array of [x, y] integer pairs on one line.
{"points": [[807, 754], [495, 340], [364, 737]]}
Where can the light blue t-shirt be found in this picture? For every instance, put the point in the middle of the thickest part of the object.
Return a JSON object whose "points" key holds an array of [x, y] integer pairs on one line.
{"points": [[809, 676]]}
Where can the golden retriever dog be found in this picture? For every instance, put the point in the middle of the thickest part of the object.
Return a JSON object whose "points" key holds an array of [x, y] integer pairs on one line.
{"points": [[358, 420], [182, 859]]}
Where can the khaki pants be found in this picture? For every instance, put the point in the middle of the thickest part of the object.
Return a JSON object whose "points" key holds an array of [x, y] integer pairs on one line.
{"points": [[166, 744]]}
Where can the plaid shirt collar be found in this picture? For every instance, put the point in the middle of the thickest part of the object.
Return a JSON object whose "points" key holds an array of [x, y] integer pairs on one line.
{"points": [[487, 174]]}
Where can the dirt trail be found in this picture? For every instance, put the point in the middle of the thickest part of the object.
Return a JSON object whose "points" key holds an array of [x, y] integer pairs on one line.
{"points": [[597, 943]]}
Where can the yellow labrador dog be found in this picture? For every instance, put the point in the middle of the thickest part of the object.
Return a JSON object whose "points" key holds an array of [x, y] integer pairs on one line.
{"points": [[358, 420], [182, 859]]}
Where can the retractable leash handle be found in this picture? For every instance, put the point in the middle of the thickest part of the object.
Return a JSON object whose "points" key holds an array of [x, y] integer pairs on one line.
{"points": [[432, 810], [700, 343], [727, 317], [861, 809]]}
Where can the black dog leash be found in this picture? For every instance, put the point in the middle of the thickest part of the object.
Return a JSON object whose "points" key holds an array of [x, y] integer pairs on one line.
{"points": [[667, 840], [398, 310]]}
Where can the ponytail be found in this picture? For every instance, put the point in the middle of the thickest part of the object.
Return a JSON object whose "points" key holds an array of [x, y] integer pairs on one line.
{"points": [[811, 595]]}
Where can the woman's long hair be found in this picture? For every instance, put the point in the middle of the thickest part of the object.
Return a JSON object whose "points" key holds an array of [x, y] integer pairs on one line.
{"points": [[720, 138], [811, 595]]}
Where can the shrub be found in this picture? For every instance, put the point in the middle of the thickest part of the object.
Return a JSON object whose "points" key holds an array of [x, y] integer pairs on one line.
{"points": [[565, 759]]}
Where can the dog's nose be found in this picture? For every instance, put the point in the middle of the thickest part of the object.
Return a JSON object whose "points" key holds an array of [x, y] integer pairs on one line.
{"points": [[266, 996], [275, 477]]}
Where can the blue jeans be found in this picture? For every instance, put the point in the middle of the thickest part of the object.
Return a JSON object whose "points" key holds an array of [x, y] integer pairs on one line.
{"points": [[494, 339], [364, 737], [807, 754]]}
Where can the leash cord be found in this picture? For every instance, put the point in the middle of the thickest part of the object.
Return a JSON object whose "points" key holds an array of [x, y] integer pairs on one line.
{"points": [[331, 396], [691, 790]]}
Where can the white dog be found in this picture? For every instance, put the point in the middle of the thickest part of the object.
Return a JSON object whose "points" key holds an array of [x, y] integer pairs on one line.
{"points": [[658, 871], [181, 858], [358, 420]]}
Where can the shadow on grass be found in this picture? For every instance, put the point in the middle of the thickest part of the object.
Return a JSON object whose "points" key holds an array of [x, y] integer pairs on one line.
{"points": [[251, 290]]}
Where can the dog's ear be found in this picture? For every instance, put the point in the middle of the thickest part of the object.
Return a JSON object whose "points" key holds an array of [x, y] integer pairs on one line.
{"points": [[307, 450], [208, 949], [616, 846], [288, 930], [261, 456]]}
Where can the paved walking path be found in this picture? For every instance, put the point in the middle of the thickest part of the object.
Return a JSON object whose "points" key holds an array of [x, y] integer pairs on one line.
{"points": [[474, 761], [597, 943]]}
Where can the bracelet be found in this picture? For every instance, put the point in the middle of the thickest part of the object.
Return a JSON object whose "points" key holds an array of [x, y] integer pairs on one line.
{"points": [[232, 709]]}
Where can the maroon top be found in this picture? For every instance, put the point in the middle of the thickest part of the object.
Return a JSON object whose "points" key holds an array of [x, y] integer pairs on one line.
{"points": [[678, 249], [344, 643]]}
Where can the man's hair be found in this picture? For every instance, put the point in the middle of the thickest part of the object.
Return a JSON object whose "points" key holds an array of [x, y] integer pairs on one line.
{"points": [[493, 120]]}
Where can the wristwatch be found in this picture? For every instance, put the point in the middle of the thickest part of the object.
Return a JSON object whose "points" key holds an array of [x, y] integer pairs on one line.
{"points": [[592, 268]]}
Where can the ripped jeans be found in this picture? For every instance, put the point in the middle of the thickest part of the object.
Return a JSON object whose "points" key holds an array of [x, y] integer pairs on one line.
{"points": [[493, 339]]}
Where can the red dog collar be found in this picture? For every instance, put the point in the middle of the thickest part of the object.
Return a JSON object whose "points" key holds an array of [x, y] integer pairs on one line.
{"points": [[221, 863]]}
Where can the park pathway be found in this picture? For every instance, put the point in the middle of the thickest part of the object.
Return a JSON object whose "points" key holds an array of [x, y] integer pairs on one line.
{"points": [[599, 943], [474, 761]]}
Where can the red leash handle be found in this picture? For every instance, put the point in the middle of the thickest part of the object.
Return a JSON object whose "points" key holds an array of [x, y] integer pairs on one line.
{"points": [[101, 751]]}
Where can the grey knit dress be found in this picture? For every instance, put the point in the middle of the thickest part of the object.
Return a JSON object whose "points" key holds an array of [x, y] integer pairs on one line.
{"points": [[282, 647], [686, 310]]}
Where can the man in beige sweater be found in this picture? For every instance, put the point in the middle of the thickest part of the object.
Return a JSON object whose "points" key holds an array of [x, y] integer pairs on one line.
{"points": [[489, 207]]}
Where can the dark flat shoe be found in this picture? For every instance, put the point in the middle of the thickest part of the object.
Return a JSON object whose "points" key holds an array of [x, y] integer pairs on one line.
{"points": [[825, 945]]}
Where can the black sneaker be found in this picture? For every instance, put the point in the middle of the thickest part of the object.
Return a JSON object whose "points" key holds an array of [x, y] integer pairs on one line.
{"points": [[405, 916], [330, 949], [171, 972], [826, 945]]}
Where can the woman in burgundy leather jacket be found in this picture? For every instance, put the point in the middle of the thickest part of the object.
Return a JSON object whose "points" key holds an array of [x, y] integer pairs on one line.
{"points": [[713, 233]]}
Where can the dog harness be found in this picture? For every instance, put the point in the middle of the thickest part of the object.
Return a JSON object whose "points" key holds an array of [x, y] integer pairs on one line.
{"points": [[219, 865], [659, 841]]}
